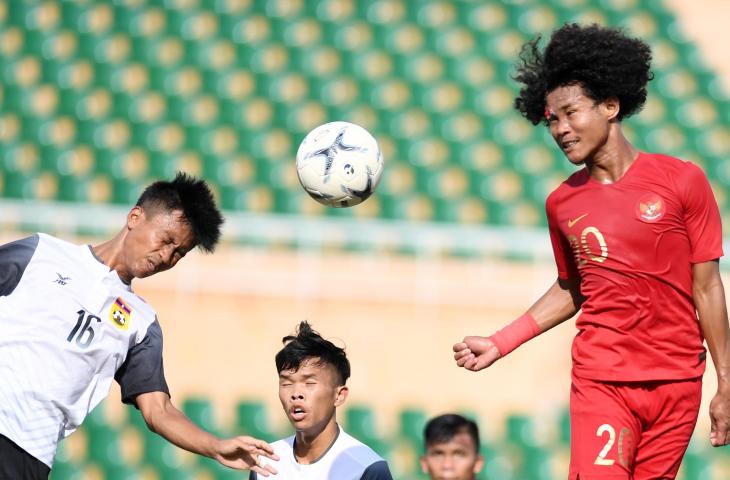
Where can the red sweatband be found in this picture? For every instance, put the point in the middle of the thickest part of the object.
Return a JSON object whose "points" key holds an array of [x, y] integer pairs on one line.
{"points": [[515, 334]]}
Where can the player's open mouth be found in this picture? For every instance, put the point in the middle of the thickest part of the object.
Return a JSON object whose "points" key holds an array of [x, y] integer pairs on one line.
{"points": [[297, 414], [568, 145]]}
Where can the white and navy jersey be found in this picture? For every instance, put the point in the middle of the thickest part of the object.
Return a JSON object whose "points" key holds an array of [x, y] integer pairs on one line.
{"points": [[346, 459], [68, 325]]}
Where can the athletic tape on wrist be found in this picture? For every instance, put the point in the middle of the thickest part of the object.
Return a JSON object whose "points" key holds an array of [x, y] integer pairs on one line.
{"points": [[515, 334]]}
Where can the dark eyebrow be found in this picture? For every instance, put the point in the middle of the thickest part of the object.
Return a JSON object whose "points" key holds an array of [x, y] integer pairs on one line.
{"points": [[306, 376], [566, 105]]}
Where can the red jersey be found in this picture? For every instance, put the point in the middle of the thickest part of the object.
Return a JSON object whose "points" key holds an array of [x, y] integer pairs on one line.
{"points": [[632, 244]]}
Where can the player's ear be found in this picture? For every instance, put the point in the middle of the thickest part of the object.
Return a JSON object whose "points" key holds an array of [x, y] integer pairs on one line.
{"points": [[341, 395], [135, 216], [424, 465], [611, 108], [479, 464]]}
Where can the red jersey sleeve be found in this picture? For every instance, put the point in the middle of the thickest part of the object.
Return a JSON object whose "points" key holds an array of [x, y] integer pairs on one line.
{"points": [[701, 214], [561, 248]]}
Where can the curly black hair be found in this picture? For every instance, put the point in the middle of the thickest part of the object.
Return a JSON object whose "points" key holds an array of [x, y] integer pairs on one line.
{"points": [[194, 198], [606, 62], [308, 344]]}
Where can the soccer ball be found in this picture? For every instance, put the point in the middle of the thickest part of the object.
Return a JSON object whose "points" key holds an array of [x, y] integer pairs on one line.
{"points": [[339, 164]]}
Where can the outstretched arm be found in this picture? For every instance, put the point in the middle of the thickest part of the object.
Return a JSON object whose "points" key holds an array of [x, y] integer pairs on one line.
{"points": [[240, 452], [561, 301], [709, 297]]}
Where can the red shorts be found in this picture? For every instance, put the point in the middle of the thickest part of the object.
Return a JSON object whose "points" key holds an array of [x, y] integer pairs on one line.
{"points": [[631, 430]]}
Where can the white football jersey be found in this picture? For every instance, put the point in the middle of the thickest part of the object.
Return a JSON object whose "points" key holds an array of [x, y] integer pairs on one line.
{"points": [[346, 459], [68, 326]]}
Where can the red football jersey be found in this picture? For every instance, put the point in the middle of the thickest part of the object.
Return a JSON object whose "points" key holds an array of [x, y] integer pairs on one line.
{"points": [[632, 243]]}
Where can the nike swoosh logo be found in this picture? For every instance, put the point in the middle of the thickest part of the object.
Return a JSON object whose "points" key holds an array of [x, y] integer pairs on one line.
{"points": [[573, 222]]}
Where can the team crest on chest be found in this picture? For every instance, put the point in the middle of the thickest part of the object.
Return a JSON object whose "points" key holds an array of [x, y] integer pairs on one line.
{"points": [[120, 314], [650, 208]]}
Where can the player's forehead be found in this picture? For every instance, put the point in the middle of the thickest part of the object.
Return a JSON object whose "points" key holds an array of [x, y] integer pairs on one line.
{"points": [[564, 96], [172, 223], [459, 442], [311, 367]]}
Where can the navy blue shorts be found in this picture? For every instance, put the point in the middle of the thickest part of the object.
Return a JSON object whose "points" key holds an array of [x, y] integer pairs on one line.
{"points": [[17, 464]]}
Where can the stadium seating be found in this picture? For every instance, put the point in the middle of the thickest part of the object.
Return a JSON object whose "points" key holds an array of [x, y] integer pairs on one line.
{"points": [[98, 98], [126, 449]]}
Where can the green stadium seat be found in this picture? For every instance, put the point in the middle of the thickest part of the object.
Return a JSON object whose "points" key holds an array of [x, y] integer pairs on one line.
{"points": [[564, 427], [664, 54], [411, 422], [513, 130], [147, 22], [697, 462], [306, 116], [405, 39], [104, 446], [44, 17], [666, 138], [537, 19], [455, 42], [677, 83], [437, 14], [641, 24], [520, 431], [252, 419], [414, 207], [585, 16], [332, 10], [63, 470], [497, 465], [24, 72], [697, 113], [360, 422], [10, 128], [536, 464], [92, 108], [449, 183], [77, 75], [200, 411]]}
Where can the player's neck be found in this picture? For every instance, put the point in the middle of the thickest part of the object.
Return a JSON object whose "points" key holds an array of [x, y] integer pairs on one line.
{"points": [[109, 253], [613, 159], [311, 446]]}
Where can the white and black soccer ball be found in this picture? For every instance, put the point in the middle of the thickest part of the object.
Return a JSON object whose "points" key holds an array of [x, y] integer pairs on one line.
{"points": [[339, 164]]}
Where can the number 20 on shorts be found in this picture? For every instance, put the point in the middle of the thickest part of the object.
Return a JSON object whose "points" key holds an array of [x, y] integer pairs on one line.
{"points": [[624, 436]]}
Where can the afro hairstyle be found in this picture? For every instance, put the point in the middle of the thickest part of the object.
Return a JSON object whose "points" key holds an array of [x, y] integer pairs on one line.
{"points": [[605, 62]]}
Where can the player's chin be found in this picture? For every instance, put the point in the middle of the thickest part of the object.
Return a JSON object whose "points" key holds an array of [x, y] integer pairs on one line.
{"points": [[298, 423], [143, 273], [576, 158]]}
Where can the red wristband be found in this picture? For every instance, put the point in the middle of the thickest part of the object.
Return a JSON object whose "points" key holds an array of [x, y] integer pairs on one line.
{"points": [[515, 334]]}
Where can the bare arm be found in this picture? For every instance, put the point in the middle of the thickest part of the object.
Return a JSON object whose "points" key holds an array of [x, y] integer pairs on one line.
{"points": [[559, 303], [167, 421], [709, 297]]}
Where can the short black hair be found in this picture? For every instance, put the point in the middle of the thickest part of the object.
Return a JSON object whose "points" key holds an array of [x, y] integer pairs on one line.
{"points": [[605, 61], [193, 197], [443, 428], [308, 344]]}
